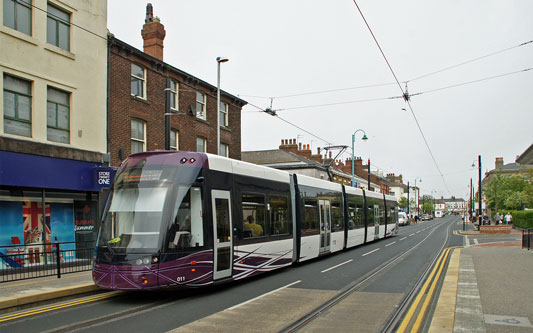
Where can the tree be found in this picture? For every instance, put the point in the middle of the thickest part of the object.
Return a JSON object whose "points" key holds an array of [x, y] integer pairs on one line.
{"points": [[403, 203], [428, 207], [504, 192], [514, 201]]}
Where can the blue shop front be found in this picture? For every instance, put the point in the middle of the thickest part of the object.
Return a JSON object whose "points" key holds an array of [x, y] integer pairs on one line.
{"points": [[68, 193]]}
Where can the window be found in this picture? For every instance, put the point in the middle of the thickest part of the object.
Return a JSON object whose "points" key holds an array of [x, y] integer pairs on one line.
{"points": [[201, 144], [17, 106], [279, 216], [223, 114], [138, 81], [253, 213], [58, 28], [187, 229], [311, 219], [58, 115], [200, 105], [224, 150], [138, 136], [174, 102], [337, 216], [17, 15], [174, 140]]}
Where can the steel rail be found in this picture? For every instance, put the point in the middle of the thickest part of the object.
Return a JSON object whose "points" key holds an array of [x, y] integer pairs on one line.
{"points": [[354, 287]]}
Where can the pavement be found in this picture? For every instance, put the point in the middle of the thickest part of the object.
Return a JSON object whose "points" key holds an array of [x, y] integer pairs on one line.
{"points": [[486, 288]]}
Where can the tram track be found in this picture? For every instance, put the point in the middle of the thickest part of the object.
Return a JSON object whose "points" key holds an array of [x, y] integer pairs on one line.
{"points": [[394, 319]]}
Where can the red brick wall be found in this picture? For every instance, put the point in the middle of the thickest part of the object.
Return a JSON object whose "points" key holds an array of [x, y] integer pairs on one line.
{"points": [[123, 108]]}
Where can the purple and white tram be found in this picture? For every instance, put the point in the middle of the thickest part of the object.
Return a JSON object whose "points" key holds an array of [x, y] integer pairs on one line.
{"points": [[185, 219]]}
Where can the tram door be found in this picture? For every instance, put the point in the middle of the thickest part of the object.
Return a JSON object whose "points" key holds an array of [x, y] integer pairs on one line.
{"points": [[222, 226], [376, 221], [325, 225]]}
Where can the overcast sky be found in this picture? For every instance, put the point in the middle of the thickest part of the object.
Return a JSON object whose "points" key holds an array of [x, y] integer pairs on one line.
{"points": [[280, 47]]}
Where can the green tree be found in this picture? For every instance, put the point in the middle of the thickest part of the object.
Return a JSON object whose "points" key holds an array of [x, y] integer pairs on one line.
{"points": [[403, 203], [428, 207], [513, 201], [503, 192]]}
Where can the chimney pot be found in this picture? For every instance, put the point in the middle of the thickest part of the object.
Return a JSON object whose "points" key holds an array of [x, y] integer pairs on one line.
{"points": [[153, 34]]}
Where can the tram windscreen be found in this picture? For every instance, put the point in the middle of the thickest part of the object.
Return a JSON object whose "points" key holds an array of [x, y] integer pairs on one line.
{"points": [[134, 218]]}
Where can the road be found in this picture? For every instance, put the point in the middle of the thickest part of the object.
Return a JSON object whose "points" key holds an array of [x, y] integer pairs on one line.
{"points": [[376, 277]]}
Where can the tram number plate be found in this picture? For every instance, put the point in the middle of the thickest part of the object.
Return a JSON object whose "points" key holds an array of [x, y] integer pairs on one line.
{"points": [[180, 278]]}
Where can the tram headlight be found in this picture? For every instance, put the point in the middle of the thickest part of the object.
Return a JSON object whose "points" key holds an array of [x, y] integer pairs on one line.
{"points": [[139, 262], [146, 261]]}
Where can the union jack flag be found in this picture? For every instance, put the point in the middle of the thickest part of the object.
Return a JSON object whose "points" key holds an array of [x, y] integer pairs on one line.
{"points": [[32, 213]]}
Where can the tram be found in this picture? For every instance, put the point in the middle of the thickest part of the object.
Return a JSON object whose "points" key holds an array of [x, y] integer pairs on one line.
{"points": [[187, 220]]}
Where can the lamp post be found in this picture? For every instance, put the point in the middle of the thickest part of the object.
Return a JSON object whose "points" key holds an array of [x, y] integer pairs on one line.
{"points": [[353, 153], [219, 61], [417, 199], [480, 210]]}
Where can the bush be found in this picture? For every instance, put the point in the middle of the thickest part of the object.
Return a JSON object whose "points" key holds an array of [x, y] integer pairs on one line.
{"points": [[521, 218]]}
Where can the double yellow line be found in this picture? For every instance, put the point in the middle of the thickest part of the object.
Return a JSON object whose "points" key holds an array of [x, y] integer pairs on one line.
{"points": [[425, 292], [58, 306]]}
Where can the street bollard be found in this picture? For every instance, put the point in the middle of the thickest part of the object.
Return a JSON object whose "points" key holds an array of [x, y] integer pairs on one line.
{"points": [[58, 259]]}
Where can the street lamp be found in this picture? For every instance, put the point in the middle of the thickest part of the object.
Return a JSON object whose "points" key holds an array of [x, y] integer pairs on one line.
{"points": [[480, 210], [219, 61], [353, 153], [417, 199]]}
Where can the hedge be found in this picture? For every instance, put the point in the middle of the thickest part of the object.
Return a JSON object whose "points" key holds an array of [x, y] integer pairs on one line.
{"points": [[521, 218]]}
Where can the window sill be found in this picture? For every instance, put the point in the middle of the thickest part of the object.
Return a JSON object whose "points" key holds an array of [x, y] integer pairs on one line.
{"points": [[202, 120], [225, 128], [140, 99], [19, 35], [60, 51]]}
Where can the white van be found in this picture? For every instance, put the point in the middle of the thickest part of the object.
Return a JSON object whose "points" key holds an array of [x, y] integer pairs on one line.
{"points": [[438, 213], [402, 218]]}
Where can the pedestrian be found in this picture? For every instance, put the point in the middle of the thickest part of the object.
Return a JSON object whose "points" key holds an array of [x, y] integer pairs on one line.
{"points": [[497, 218], [508, 218]]}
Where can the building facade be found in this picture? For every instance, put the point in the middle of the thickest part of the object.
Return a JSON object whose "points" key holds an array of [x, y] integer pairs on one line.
{"points": [[145, 92], [53, 121]]}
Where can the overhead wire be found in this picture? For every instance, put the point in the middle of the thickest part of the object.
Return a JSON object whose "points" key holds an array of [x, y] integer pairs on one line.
{"points": [[391, 83], [403, 93]]}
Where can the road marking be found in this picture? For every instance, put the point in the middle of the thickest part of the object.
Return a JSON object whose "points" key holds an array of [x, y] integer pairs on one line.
{"points": [[403, 238], [437, 270], [342, 263], [507, 320], [369, 252], [390, 244], [411, 234], [266, 294], [418, 231], [59, 306]]}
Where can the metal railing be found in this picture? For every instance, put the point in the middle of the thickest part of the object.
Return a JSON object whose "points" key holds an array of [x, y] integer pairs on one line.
{"points": [[20, 262], [527, 238]]}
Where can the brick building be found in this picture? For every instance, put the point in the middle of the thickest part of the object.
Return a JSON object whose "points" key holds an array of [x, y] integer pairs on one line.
{"points": [[140, 84]]}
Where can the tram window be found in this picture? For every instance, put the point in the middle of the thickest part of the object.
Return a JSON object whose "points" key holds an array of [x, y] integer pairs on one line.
{"points": [[355, 216], [310, 221], [337, 216], [253, 212], [279, 215], [381, 214], [187, 229]]}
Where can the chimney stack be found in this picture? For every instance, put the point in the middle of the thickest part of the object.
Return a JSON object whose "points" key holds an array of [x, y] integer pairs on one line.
{"points": [[153, 34], [499, 162]]}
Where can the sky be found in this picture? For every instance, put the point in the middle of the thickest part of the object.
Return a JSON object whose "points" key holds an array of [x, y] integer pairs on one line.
{"points": [[280, 48]]}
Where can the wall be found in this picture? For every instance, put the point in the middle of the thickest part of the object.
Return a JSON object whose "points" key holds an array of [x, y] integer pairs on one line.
{"points": [[80, 71]]}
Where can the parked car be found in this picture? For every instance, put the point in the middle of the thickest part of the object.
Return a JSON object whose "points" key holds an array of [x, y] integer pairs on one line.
{"points": [[403, 219], [426, 217]]}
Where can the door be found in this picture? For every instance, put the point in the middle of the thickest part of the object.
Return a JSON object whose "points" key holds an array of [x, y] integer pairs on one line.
{"points": [[325, 225], [376, 221], [222, 226]]}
